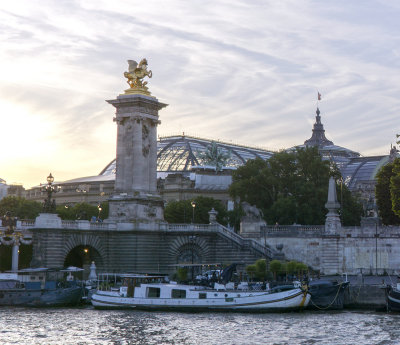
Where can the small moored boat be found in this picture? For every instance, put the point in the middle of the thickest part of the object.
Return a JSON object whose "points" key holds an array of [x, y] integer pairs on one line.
{"points": [[30, 288], [149, 292], [393, 297]]}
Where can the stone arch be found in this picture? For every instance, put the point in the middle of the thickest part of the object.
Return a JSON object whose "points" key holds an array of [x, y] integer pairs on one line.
{"points": [[85, 240], [77, 240], [183, 244]]}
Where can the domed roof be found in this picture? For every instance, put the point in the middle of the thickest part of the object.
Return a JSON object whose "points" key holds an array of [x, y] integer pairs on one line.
{"points": [[181, 153]]}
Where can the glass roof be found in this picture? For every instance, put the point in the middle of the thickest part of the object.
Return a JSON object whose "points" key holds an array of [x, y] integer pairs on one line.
{"points": [[180, 153]]}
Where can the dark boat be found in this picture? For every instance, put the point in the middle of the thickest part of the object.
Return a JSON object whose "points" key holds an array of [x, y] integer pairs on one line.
{"points": [[326, 294], [30, 288], [393, 297]]}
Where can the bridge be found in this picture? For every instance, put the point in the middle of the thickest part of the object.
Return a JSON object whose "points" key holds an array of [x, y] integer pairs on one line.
{"points": [[134, 247]]}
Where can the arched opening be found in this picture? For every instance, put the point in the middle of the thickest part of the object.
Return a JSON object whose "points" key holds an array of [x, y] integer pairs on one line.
{"points": [[5, 258], [24, 259], [82, 256], [190, 254]]}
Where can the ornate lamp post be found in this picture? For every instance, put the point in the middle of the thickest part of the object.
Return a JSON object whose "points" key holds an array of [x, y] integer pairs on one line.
{"points": [[49, 206], [12, 236], [192, 240]]}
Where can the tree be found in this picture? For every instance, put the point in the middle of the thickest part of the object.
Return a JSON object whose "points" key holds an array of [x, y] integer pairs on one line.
{"points": [[395, 187], [351, 206], [182, 211], [261, 269], [20, 207], [383, 195], [82, 211], [291, 187], [275, 267], [251, 270]]}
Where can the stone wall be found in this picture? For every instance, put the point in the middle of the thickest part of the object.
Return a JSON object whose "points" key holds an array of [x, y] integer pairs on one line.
{"points": [[371, 248]]}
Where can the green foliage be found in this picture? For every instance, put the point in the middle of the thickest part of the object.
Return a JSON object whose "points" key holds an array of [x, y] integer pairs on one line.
{"points": [[351, 206], [395, 187], [20, 207], [235, 216], [291, 187], [251, 270], [383, 194], [275, 266], [82, 211], [291, 267], [182, 273], [182, 211], [261, 269]]}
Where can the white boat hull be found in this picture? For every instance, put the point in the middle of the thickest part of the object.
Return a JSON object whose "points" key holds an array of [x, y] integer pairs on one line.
{"points": [[216, 300]]}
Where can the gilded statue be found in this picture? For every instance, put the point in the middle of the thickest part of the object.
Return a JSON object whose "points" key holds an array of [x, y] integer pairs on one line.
{"points": [[136, 72]]}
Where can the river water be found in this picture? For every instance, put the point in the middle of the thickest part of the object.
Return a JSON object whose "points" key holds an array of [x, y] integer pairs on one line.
{"points": [[86, 326]]}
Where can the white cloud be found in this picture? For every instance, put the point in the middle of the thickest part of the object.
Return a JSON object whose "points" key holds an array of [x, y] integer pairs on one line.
{"points": [[230, 70]]}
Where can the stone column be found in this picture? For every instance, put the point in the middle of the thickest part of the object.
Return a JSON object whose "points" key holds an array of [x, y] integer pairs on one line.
{"points": [[153, 157], [135, 197], [15, 256], [136, 175]]}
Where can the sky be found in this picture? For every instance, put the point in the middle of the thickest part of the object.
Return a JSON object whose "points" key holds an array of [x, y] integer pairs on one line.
{"points": [[240, 71]]}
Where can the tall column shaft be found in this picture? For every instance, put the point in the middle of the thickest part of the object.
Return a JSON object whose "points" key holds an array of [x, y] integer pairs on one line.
{"points": [[136, 176], [15, 257], [153, 158]]}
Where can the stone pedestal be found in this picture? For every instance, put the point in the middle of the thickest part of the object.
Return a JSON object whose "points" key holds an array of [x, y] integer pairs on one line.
{"points": [[251, 228], [48, 221], [135, 197]]}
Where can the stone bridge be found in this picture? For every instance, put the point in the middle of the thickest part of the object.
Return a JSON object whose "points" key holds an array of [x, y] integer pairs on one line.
{"points": [[136, 246]]}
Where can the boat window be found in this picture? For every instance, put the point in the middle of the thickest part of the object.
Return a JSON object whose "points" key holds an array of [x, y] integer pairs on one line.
{"points": [[202, 295], [153, 292], [178, 293]]}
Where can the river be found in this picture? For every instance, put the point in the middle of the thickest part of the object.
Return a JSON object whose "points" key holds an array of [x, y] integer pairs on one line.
{"points": [[87, 326]]}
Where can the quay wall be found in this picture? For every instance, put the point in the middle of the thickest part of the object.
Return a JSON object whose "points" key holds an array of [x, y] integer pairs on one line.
{"points": [[369, 249]]}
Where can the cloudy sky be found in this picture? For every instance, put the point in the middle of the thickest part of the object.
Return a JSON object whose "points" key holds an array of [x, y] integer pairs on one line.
{"points": [[235, 70]]}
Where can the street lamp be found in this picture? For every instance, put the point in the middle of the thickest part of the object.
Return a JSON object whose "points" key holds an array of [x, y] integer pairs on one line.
{"points": [[193, 206], [100, 209], [192, 240], [49, 205]]}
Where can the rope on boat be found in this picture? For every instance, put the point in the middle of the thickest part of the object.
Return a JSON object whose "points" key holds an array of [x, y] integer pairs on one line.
{"points": [[330, 304]]}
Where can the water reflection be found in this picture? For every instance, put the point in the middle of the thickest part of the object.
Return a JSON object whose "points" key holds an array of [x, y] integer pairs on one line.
{"points": [[97, 327]]}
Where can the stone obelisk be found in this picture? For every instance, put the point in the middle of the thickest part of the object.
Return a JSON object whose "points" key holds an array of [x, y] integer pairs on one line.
{"points": [[135, 195]]}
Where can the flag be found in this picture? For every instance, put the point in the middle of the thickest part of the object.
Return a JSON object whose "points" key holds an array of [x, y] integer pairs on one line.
{"points": [[319, 96]]}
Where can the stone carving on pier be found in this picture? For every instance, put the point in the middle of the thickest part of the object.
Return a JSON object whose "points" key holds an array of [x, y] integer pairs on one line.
{"points": [[136, 73]]}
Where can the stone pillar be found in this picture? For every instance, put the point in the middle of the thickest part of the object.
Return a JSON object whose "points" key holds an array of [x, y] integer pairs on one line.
{"points": [[15, 256], [332, 222], [135, 197], [331, 244], [153, 157]]}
